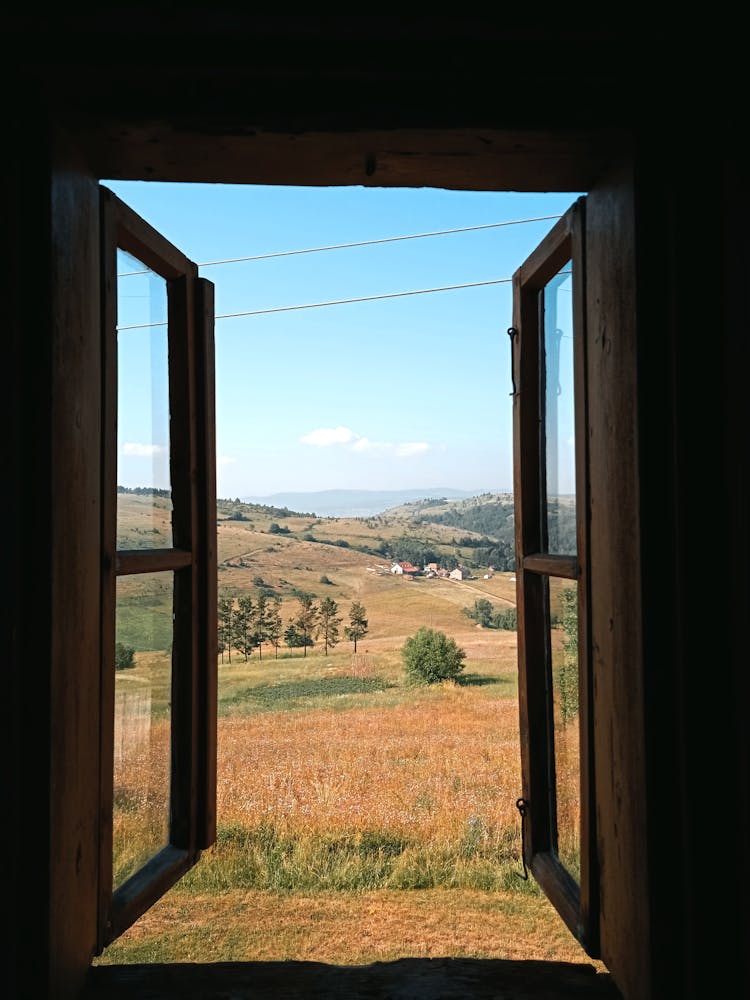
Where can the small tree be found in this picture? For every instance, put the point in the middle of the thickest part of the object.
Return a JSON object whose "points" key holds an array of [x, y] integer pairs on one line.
{"points": [[124, 656], [357, 627], [328, 622], [431, 656], [275, 626], [507, 619], [244, 637], [226, 625], [294, 638], [262, 622], [306, 619], [482, 612]]}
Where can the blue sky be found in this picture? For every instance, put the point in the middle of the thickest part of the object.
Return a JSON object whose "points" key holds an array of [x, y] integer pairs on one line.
{"points": [[409, 392]]}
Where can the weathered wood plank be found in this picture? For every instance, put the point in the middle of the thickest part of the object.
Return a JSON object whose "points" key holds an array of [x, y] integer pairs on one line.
{"points": [[468, 159], [564, 566], [530, 587], [144, 243], [130, 561], [73, 570], [615, 610], [142, 890], [109, 556]]}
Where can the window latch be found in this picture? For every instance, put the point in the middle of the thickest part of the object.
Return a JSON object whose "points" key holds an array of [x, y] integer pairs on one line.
{"points": [[512, 332], [521, 805]]}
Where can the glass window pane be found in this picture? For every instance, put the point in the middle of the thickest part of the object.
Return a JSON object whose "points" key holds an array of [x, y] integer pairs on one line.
{"points": [[144, 505], [143, 679], [564, 664], [559, 409]]}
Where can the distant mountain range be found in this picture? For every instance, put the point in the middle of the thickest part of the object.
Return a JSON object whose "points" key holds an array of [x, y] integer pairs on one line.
{"points": [[355, 503]]}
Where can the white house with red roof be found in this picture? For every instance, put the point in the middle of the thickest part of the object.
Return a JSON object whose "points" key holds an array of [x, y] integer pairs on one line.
{"points": [[404, 569]]}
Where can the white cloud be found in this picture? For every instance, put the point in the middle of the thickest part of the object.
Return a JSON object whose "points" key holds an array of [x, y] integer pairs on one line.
{"points": [[143, 450], [365, 444], [225, 460], [325, 436], [406, 449], [409, 448]]}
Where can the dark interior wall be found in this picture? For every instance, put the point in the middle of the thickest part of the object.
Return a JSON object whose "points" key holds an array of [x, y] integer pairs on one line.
{"points": [[26, 507], [733, 276], [713, 414], [693, 407], [216, 94], [202, 86], [276, 73]]}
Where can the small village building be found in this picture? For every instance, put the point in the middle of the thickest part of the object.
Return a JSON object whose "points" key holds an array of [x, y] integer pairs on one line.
{"points": [[405, 569]]}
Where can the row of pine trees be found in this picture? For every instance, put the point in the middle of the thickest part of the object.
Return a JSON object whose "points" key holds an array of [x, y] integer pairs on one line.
{"points": [[245, 625]]}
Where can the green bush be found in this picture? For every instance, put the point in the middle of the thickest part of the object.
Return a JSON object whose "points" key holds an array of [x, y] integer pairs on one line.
{"points": [[507, 619], [124, 656], [481, 613], [431, 656]]}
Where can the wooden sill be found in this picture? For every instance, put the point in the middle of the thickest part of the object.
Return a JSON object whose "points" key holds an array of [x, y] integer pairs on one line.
{"points": [[405, 979]]}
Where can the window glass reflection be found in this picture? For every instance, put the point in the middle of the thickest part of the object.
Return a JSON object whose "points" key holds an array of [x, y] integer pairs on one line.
{"points": [[144, 504], [559, 513], [565, 687], [143, 679]]}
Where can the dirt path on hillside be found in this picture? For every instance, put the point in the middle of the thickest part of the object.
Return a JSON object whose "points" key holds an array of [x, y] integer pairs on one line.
{"points": [[480, 590]]}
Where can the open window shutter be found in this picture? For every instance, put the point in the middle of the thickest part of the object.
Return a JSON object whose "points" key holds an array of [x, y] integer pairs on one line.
{"points": [[552, 578], [158, 652]]}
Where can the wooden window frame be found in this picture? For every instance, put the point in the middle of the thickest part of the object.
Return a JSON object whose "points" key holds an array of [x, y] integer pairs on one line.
{"points": [[191, 559], [576, 902]]}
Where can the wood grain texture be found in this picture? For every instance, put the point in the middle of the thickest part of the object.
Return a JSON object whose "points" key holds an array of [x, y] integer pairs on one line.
{"points": [[478, 160], [75, 566], [566, 567], [130, 561], [108, 600], [142, 889], [615, 612]]}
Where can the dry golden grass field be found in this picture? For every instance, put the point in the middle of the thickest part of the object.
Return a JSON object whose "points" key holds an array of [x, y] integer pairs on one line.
{"points": [[360, 818]]}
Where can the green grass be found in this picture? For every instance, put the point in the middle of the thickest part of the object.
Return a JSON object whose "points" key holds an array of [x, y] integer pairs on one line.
{"points": [[289, 695], [266, 858], [259, 855], [144, 611]]}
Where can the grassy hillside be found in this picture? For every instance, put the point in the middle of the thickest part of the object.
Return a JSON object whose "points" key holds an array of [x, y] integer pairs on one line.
{"points": [[339, 784]]}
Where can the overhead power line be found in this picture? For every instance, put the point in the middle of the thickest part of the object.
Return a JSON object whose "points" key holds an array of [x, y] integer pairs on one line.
{"points": [[362, 243], [338, 302]]}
